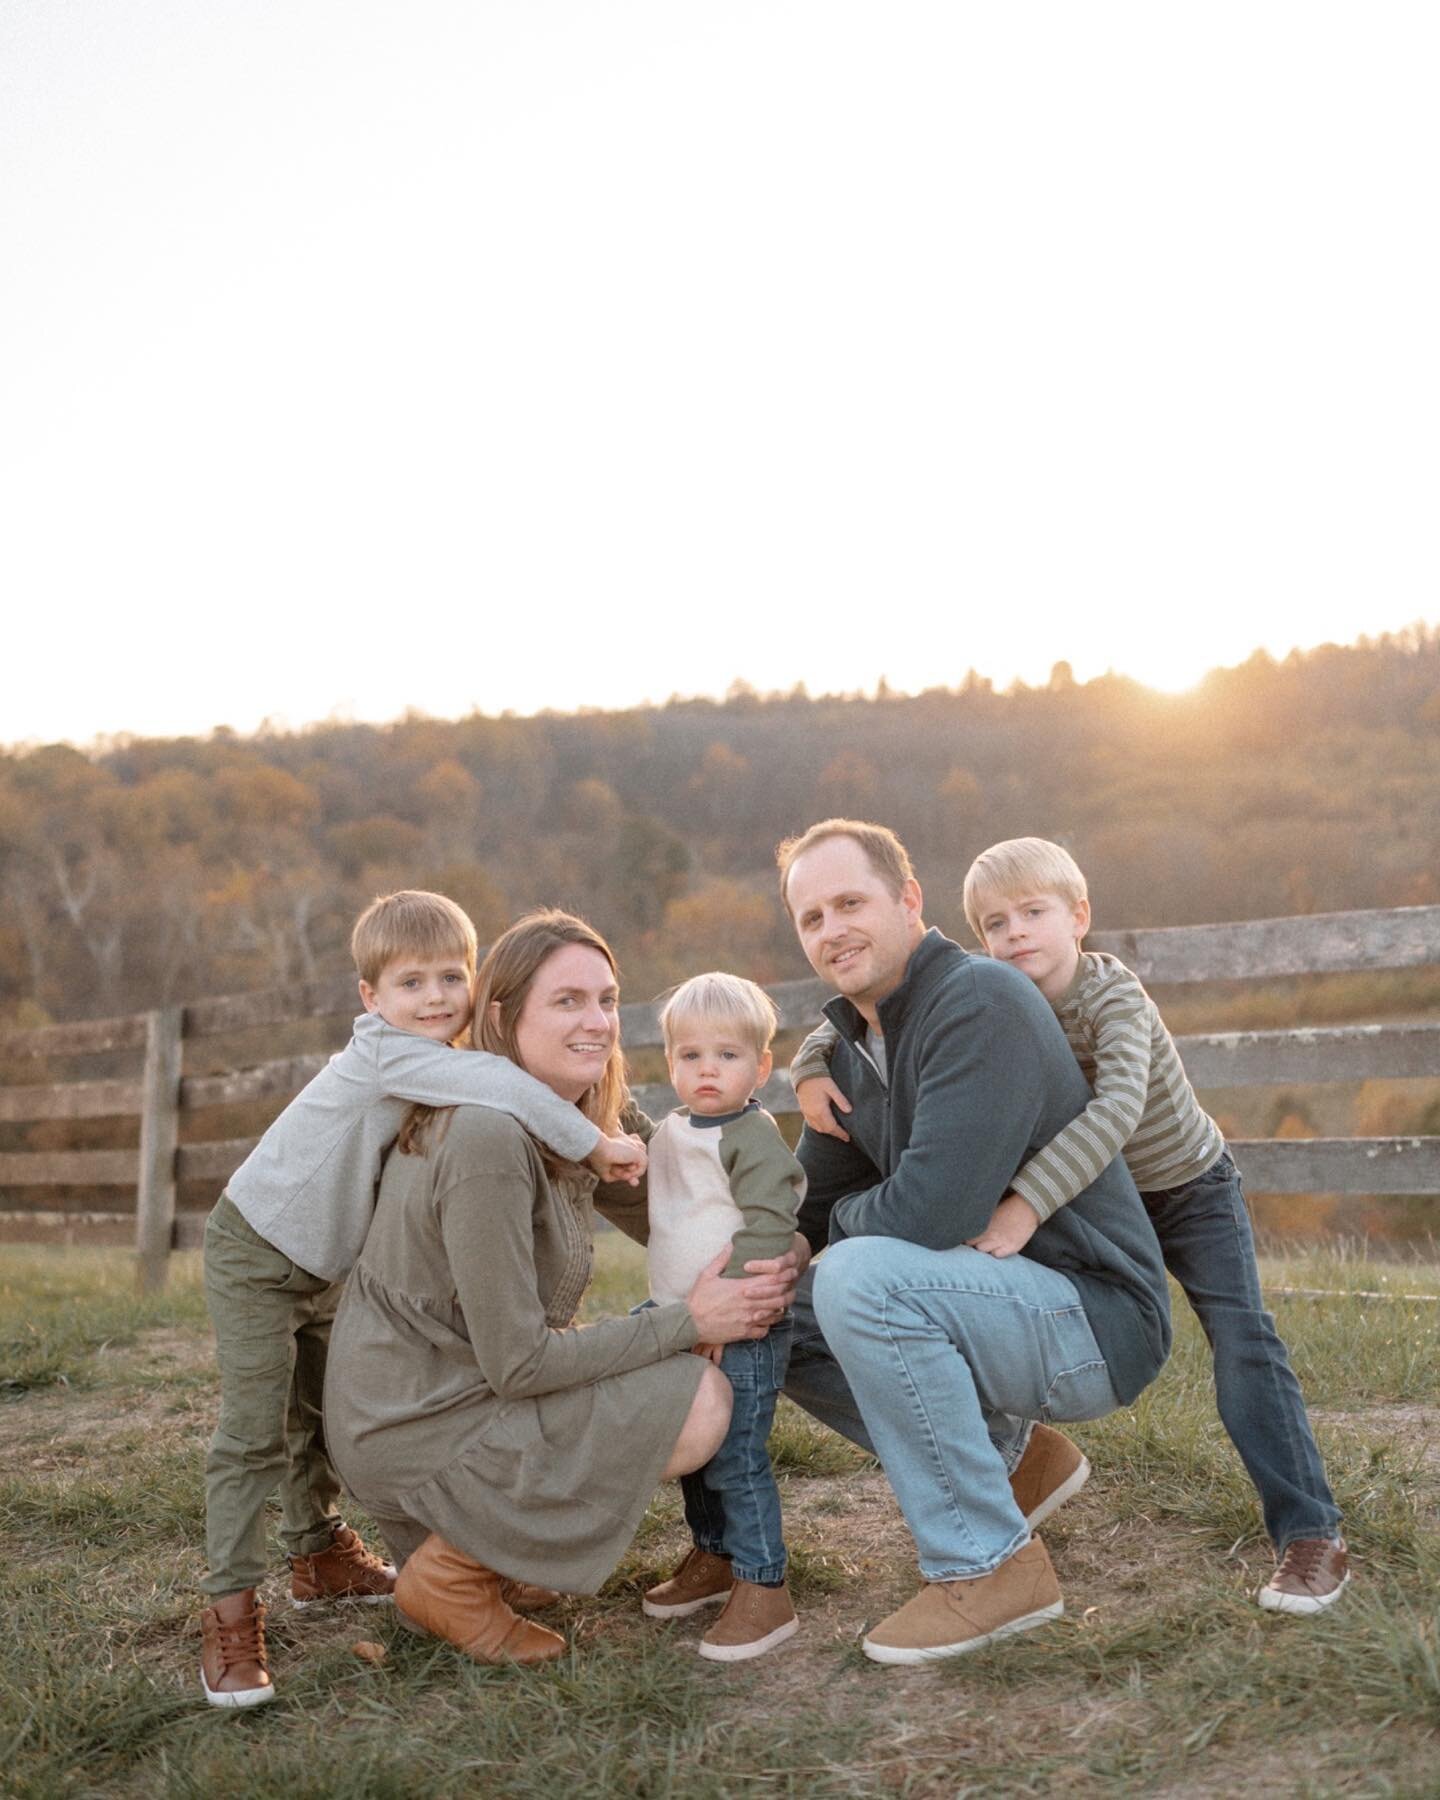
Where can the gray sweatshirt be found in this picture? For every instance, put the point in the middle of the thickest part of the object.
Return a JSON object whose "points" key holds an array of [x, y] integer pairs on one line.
{"points": [[308, 1186]]}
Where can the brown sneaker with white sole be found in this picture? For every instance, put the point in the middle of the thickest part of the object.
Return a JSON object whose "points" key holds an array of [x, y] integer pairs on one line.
{"points": [[701, 1580], [1310, 1576], [948, 1618], [343, 1570], [1052, 1471], [755, 1620], [233, 1667]]}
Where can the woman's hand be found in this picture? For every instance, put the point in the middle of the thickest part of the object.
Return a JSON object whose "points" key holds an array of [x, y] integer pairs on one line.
{"points": [[726, 1309], [620, 1158], [819, 1099]]}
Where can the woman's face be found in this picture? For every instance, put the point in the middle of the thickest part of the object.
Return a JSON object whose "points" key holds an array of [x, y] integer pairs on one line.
{"points": [[570, 1020]]}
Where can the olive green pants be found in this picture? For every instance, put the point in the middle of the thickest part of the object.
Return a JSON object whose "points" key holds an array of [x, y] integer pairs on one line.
{"points": [[272, 1330]]}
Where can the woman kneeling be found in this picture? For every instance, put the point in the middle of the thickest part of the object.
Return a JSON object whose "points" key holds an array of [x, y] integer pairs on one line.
{"points": [[498, 1446]]}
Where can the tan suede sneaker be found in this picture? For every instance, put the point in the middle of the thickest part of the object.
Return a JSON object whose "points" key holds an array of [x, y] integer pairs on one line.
{"points": [[344, 1570], [233, 1667], [1310, 1576], [755, 1620], [1052, 1471], [701, 1580], [947, 1618]]}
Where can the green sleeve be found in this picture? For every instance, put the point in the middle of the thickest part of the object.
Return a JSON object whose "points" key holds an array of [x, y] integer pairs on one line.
{"points": [[813, 1056], [487, 1224], [628, 1208], [766, 1183]]}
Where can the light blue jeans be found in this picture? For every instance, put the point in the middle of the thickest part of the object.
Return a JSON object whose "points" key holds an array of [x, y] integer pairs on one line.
{"points": [[940, 1361]]}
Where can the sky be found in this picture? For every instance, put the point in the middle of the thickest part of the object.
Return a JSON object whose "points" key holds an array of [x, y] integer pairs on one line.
{"points": [[358, 357]]}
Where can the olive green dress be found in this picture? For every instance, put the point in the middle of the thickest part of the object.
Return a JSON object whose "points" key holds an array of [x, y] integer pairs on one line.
{"points": [[461, 1399]]}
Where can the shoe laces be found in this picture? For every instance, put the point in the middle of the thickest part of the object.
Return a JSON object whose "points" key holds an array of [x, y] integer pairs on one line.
{"points": [[351, 1550], [1302, 1558], [242, 1640]]}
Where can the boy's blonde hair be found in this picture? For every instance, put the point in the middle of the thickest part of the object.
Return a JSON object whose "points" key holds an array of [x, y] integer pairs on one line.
{"points": [[718, 999], [1027, 865], [886, 855], [410, 923]]}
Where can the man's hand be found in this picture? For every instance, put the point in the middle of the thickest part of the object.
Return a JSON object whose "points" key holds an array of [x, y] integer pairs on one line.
{"points": [[726, 1309], [787, 1268], [620, 1158], [819, 1098], [711, 1352], [1014, 1224]]}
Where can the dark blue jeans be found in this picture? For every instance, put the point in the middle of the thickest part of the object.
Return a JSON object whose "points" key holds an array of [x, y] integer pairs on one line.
{"points": [[1204, 1232], [732, 1505]]}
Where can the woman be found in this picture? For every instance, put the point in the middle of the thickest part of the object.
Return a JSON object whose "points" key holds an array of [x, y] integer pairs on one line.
{"points": [[492, 1441]]}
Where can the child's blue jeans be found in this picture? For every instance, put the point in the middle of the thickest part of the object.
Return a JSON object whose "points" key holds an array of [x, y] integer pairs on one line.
{"points": [[732, 1505], [1204, 1232]]}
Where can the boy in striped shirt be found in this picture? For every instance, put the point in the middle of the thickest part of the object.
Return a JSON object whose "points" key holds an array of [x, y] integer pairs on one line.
{"points": [[1027, 904]]}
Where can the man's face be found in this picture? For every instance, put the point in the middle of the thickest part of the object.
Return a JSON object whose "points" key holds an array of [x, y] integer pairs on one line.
{"points": [[856, 933]]}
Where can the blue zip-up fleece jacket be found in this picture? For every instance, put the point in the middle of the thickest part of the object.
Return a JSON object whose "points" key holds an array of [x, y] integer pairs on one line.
{"points": [[980, 1077]]}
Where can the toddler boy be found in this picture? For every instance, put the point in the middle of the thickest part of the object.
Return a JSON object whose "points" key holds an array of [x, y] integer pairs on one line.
{"points": [[291, 1222], [1026, 902], [720, 1172]]}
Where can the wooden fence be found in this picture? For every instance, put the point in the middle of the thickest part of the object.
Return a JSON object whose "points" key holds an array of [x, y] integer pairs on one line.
{"points": [[161, 1094]]}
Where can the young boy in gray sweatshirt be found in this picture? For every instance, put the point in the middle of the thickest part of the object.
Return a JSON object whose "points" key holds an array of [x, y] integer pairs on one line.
{"points": [[280, 1240]]}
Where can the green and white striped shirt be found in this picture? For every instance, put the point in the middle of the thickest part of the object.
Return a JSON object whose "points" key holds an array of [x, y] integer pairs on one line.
{"points": [[1144, 1105]]}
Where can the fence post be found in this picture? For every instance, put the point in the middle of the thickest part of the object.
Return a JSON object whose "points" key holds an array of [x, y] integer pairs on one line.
{"points": [[159, 1133]]}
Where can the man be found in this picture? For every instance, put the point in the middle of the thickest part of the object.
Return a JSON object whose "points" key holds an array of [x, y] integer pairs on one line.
{"points": [[931, 1353]]}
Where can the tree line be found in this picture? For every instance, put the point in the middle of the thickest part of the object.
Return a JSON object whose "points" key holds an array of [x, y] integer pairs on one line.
{"points": [[146, 870]]}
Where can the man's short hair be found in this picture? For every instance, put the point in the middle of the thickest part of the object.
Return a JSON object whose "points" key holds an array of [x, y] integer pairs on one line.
{"points": [[410, 923], [1027, 865], [884, 852], [718, 999]]}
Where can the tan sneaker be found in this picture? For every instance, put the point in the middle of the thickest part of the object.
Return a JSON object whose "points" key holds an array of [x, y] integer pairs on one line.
{"points": [[1052, 1471], [1310, 1576], [755, 1620], [452, 1597], [701, 1580], [947, 1618], [233, 1669], [344, 1570]]}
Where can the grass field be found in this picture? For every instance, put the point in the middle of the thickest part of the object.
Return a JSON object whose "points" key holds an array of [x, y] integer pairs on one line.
{"points": [[1163, 1678]]}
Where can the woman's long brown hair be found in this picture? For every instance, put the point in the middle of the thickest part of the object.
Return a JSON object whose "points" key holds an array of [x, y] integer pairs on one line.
{"points": [[503, 982]]}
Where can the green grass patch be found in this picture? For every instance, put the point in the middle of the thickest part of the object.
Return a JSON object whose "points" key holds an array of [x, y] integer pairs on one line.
{"points": [[1163, 1677]]}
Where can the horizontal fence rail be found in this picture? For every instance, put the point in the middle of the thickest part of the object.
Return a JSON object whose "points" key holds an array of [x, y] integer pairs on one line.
{"points": [[159, 1095]]}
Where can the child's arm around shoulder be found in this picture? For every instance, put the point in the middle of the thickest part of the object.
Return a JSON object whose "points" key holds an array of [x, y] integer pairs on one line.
{"points": [[766, 1183], [1085, 1148], [818, 1095], [406, 1066]]}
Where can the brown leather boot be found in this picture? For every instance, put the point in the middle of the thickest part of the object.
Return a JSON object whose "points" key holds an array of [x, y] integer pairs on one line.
{"points": [[528, 1596], [454, 1598], [233, 1670]]}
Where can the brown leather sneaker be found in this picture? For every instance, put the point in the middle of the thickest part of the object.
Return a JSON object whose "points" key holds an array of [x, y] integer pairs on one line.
{"points": [[755, 1620], [701, 1580], [344, 1570], [1052, 1471], [1310, 1576], [233, 1669], [947, 1618], [445, 1593]]}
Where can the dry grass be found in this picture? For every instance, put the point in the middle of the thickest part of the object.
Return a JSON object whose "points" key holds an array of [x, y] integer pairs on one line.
{"points": [[1163, 1678]]}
